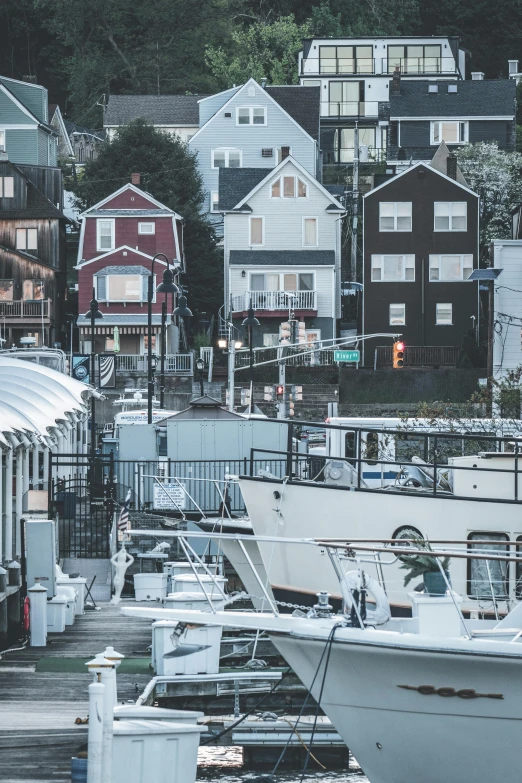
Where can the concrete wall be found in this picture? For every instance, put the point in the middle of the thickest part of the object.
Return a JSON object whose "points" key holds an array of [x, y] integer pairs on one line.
{"points": [[407, 386]]}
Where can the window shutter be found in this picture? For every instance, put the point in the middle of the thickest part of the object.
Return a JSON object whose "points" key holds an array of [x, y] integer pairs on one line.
{"points": [[101, 287]]}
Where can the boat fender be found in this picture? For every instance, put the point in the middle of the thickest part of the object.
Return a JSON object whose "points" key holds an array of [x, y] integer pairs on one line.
{"points": [[382, 612], [26, 613]]}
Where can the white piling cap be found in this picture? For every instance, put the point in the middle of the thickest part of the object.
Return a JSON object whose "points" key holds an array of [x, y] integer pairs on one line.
{"points": [[100, 662], [111, 655]]}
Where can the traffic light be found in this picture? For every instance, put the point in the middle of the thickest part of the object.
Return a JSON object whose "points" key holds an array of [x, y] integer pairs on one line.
{"points": [[301, 333], [398, 354], [280, 392]]}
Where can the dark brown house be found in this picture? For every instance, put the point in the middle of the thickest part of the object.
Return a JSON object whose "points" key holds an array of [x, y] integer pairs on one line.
{"points": [[32, 254], [420, 245]]}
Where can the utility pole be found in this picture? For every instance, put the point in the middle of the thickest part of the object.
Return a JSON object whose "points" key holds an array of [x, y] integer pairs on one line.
{"points": [[355, 203], [231, 368]]}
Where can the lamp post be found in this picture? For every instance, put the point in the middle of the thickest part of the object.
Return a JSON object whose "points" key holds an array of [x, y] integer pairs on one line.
{"points": [[163, 351], [167, 286], [251, 321], [200, 364], [94, 314]]}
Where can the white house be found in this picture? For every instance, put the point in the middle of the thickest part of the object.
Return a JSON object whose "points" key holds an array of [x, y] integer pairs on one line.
{"points": [[507, 318]]}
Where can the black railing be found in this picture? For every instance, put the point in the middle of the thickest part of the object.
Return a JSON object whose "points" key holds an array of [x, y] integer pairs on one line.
{"points": [[419, 356]]}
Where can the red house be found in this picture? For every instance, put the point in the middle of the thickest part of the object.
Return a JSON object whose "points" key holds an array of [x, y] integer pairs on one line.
{"points": [[119, 238]]}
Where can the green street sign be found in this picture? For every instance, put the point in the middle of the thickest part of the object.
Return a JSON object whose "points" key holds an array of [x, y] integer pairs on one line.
{"points": [[347, 356]]}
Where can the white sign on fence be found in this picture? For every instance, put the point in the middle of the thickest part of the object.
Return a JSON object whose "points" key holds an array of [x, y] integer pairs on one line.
{"points": [[169, 497]]}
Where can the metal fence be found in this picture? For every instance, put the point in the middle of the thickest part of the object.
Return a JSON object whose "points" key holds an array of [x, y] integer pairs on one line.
{"points": [[419, 356], [175, 364]]}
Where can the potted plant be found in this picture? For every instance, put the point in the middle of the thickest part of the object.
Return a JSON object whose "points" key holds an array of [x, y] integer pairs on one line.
{"points": [[427, 567]]}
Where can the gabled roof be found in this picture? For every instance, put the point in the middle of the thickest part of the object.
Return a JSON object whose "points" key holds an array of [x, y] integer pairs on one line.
{"points": [[129, 186], [130, 250], [54, 111], [38, 205], [177, 110], [235, 184], [412, 168], [440, 163], [205, 408], [303, 172], [487, 98]]}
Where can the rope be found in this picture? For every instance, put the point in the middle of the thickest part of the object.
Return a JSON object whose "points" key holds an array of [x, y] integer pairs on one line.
{"points": [[303, 743]]}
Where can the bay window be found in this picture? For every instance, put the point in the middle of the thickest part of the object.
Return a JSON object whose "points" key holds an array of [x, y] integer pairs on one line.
{"points": [[450, 131], [105, 233], [450, 216], [393, 269], [395, 215], [122, 288], [450, 268]]}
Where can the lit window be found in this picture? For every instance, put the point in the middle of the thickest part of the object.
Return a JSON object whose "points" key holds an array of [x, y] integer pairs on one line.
{"points": [[397, 315], [105, 234], [450, 268], [226, 159], [393, 269], [121, 288], [453, 132], [26, 239], [257, 230], [6, 187], [450, 216], [146, 228], [310, 232], [395, 216], [6, 290], [251, 115], [33, 290], [444, 314], [289, 187]]}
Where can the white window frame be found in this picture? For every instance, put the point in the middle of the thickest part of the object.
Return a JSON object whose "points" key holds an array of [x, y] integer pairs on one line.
{"points": [[281, 288], [3, 139], [446, 305], [464, 123], [251, 123], [310, 217], [26, 247], [450, 227], [3, 180], [212, 194], [408, 264], [250, 219], [297, 179], [399, 321], [395, 216], [439, 258], [227, 151], [141, 226], [99, 221], [107, 298]]}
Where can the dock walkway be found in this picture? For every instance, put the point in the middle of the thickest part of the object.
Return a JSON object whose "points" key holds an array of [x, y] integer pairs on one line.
{"points": [[43, 691]]}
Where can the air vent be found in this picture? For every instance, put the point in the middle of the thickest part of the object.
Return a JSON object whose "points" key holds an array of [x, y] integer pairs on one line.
{"points": [[267, 152], [228, 114]]}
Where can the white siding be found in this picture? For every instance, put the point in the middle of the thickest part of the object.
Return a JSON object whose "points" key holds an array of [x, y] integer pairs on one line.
{"points": [[507, 346]]}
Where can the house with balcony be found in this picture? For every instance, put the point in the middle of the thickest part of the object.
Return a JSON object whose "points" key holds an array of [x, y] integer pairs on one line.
{"points": [[32, 255], [420, 245], [354, 77], [26, 134], [282, 249], [424, 113], [119, 238], [254, 127]]}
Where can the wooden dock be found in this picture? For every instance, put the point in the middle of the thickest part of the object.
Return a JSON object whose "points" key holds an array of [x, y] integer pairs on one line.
{"points": [[43, 691]]}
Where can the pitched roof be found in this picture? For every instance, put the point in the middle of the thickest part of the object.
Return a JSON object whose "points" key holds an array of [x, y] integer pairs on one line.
{"points": [[301, 103], [73, 127], [491, 97], [439, 162], [235, 184], [123, 270], [130, 212], [156, 109], [38, 206], [282, 258]]}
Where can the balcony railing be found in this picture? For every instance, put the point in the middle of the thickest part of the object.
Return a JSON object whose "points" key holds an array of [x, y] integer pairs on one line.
{"points": [[175, 364], [275, 300], [347, 65], [411, 66], [349, 109], [21, 308], [419, 356], [346, 155]]}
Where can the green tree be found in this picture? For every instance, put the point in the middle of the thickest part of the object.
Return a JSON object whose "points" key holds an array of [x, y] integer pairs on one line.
{"points": [[496, 176], [168, 172]]}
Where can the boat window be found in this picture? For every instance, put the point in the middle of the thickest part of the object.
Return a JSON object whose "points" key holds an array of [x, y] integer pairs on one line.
{"points": [[371, 454], [518, 570], [349, 447], [488, 578]]}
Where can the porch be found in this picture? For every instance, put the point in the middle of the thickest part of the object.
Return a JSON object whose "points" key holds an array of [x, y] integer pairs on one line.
{"points": [[275, 301]]}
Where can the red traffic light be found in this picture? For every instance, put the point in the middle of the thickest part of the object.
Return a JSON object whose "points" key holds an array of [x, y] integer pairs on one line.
{"points": [[280, 390], [400, 346]]}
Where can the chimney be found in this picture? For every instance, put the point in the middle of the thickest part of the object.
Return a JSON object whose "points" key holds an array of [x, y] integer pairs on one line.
{"points": [[451, 166], [512, 66], [477, 76], [396, 81], [285, 152], [135, 179]]}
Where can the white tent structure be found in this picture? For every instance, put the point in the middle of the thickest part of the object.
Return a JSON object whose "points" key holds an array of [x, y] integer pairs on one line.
{"points": [[41, 411]]}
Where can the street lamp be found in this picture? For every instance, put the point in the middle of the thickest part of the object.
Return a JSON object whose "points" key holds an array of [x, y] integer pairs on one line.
{"points": [[167, 286], [94, 314], [251, 321], [200, 365]]}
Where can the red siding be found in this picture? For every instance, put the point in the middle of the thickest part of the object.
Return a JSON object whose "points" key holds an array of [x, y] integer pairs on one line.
{"points": [[126, 233], [129, 200]]}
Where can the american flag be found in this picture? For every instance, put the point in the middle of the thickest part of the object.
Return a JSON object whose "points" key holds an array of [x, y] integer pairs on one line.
{"points": [[123, 521]]}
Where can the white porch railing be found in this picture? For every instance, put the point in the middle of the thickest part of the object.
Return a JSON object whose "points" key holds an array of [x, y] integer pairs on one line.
{"points": [[275, 300], [175, 364]]}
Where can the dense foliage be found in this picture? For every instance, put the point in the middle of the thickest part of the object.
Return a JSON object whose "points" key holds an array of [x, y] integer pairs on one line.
{"points": [[168, 172], [85, 49]]}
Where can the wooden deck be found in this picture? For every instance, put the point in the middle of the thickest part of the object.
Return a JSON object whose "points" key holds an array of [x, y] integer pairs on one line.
{"points": [[38, 735]]}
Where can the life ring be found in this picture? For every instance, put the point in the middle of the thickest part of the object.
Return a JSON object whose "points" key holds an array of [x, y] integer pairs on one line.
{"points": [[26, 613], [382, 612]]}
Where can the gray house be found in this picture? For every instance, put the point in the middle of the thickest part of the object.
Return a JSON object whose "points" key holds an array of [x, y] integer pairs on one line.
{"points": [[255, 127], [25, 132], [282, 249], [425, 113]]}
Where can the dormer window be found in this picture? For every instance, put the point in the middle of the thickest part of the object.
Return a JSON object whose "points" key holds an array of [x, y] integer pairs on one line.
{"points": [[105, 232], [433, 88], [289, 187], [452, 88], [251, 115]]}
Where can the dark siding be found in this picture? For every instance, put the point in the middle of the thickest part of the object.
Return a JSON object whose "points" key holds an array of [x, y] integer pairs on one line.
{"points": [[422, 191], [20, 189], [487, 130], [47, 179], [48, 238], [415, 134]]}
